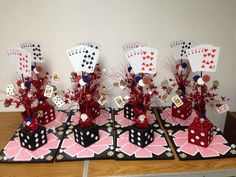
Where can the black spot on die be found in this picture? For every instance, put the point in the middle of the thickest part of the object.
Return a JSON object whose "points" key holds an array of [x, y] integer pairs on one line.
{"points": [[141, 136], [86, 136], [129, 111], [33, 140]]}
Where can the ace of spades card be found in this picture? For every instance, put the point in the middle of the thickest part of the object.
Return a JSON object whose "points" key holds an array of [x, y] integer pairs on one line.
{"points": [[89, 59], [21, 59], [179, 48], [34, 48]]}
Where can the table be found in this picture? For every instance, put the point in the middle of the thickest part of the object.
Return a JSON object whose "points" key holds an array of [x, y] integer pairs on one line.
{"points": [[10, 122]]}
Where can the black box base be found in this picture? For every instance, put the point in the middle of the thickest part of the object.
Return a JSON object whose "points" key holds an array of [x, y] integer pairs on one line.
{"points": [[33, 140], [141, 137], [86, 136]]}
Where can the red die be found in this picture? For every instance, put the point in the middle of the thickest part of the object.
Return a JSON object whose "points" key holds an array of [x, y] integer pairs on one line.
{"points": [[93, 109], [200, 132], [182, 112], [45, 113]]}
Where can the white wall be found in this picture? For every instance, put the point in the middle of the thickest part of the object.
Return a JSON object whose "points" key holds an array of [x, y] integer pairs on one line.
{"points": [[60, 24]]}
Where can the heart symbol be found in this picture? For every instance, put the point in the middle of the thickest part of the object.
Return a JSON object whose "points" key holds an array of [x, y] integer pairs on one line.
{"points": [[144, 52], [209, 54], [151, 58], [152, 53], [203, 66], [144, 58], [213, 50], [204, 61], [212, 56], [146, 65], [143, 69], [204, 55], [211, 61], [207, 63], [143, 63], [206, 50], [150, 64], [148, 56], [150, 69], [210, 67]]}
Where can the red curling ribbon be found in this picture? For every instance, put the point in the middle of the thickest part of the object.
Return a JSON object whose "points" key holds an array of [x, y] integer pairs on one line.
{"points": [[139, 124], [85, 124], [31, 127], [197, 122]]}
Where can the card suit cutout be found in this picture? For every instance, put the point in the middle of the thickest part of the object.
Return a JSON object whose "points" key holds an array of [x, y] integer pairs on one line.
{"points": [[204, 55], [206, 50], [144, 52], [207, 63], [144, 58], [152, 53], [204, 61], [212, 56], [211, 61], [213, 50], [202, 66]]}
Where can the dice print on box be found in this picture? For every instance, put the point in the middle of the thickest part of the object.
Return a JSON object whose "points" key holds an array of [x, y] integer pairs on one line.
{"points": [[45, 113], [86, 136], [141, 136], [200, 132], [33, 140], [129, 111], [182, 112]]}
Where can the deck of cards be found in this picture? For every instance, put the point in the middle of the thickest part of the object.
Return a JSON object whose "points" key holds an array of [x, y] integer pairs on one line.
{"points": [[179, 48], [203, 57], [143, 59], [132, 45], [84, 57], [34, 48]]}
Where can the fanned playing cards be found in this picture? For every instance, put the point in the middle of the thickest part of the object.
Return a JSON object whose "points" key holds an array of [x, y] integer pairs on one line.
{"points": [[179, 48], [84, 57], [143, 60], [133, 45], [21, 60], [203, 57], [34, 48]]}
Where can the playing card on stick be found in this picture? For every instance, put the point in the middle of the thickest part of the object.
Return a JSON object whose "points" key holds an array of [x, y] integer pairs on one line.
{"points": [[58, 101], [10, 89], [48, 91]]}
